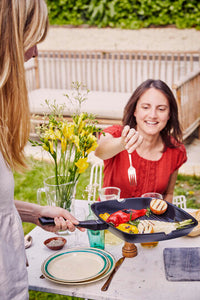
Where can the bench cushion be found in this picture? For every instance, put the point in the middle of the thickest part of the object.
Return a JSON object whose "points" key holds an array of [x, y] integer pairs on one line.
{"points": [[106, 105]]}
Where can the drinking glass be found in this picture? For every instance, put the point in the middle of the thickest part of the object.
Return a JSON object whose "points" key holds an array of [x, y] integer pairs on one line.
{"points": [[157, 196], [78, 238], [96, 237], [110, 193], [152, 195]]}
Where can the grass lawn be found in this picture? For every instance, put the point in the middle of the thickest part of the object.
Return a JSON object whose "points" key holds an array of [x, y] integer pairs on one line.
{"points": [[26, 186]]}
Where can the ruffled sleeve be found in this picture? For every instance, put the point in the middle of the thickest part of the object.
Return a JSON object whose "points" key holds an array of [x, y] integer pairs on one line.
{"points": [[115, 130], [181, 157]]}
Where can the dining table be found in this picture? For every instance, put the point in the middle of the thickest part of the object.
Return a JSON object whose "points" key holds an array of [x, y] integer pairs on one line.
{"points": [[139, 277]]}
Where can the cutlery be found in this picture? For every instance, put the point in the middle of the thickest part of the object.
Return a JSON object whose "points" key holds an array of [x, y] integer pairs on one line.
{"points": [[108, 281], [131, 172]]}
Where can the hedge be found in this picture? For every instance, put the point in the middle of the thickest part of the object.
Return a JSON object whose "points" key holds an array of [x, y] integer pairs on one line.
{"points": [[129, 14]]}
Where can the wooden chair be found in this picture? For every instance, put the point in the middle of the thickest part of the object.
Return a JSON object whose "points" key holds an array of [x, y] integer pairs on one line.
{"points": [[95, 181]]}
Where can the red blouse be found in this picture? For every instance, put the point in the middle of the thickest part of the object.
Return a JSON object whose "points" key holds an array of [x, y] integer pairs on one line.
{"points": [[152, 176]]}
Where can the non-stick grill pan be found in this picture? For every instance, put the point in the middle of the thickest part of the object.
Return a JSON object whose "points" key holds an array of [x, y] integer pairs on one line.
{"points": [[173, 214]]}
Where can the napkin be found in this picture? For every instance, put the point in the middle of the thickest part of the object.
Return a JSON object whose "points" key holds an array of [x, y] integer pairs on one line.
{"points": [[182, 264]]}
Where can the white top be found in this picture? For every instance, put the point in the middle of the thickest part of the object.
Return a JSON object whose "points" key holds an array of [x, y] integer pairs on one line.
{"points": [[13, 274]]}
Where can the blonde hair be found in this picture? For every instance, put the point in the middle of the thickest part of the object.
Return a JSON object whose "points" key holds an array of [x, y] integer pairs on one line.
{"points": [[23, 24]]}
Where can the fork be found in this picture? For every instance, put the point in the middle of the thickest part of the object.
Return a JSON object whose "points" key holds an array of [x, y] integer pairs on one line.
{"points": [[131, 172]]}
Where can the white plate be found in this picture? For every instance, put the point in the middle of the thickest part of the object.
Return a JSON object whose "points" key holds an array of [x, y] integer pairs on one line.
{"points": [[87, 251], [75, 265]]}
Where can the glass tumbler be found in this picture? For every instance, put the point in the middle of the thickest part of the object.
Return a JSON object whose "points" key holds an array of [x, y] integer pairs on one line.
{"points": [[110, 193]]}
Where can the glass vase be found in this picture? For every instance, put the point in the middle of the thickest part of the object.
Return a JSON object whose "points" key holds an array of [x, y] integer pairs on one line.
{"points": [[60, 194]]}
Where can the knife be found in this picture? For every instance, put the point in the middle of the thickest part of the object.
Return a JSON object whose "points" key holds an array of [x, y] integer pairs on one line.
{"points": [[108, 281]]}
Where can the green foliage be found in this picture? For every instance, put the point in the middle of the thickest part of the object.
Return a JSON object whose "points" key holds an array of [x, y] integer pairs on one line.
{"points": [[44, 296], [129, 14], [190, 187]]}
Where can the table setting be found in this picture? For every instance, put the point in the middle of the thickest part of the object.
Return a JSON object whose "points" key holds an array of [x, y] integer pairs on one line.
{"points": [[148, 271]]}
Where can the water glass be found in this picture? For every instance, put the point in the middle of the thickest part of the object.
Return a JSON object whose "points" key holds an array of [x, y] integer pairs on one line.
{"points": [[109, 193], [96, 238], [152, 195], [79, 238]]}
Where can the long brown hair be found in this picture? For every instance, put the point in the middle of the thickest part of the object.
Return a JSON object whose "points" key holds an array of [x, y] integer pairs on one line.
{"points": [[23, 24], [172, 128]]}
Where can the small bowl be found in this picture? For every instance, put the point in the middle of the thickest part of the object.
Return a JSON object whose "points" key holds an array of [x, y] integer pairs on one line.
{"points": [[55, 243]]}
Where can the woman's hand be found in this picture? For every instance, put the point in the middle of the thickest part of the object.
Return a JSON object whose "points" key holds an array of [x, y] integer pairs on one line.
{"points": [[132, 139], [62, 218]]}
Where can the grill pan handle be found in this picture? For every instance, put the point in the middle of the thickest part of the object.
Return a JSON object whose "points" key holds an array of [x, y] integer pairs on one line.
{"points": [[89, 224]]}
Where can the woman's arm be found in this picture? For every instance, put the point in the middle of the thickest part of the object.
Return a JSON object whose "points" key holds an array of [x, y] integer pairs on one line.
{"points": [[30, 212], [110, 146], [168, 196]]}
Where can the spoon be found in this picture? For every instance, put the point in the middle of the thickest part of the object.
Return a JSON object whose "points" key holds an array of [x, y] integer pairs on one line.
{"points": [[28, 241]]}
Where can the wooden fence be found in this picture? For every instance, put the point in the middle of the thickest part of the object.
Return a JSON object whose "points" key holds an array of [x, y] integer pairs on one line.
{"points": [[113, 71], [188, 98], [120, 71]]}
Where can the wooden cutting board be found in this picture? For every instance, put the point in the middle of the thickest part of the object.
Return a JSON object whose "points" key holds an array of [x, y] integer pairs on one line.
{"points": [[182, 264]]}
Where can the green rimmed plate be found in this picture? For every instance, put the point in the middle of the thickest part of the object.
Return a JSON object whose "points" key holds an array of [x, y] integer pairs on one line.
{"points": [[78, 279]]}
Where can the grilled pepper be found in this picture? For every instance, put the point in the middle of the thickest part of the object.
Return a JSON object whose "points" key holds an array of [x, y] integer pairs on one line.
{"points": [[125, 215], [104, 216], [127, 228]]}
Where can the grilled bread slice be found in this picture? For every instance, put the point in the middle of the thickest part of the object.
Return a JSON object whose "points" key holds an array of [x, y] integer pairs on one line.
{"points": [[158, 206], [145, 226]]}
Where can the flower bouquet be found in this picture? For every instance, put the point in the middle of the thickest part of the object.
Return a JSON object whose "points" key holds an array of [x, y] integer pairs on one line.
{"points": [[69, 143]]}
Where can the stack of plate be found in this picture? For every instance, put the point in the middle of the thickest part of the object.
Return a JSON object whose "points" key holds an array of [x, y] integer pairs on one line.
{"points": [[78, 266]]}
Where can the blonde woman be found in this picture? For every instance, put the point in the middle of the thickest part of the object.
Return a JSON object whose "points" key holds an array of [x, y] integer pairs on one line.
{"points": [[23, 24]]}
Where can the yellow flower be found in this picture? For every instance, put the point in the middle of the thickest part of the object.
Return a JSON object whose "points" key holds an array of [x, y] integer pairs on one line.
{"points": [[68, 130], [94, 146], [63, 145], [51, 146], [191, 192], [45, 147], [49, 135], [57, 134], [80, 126], [76, 142], [84, 133], [82, 165]]}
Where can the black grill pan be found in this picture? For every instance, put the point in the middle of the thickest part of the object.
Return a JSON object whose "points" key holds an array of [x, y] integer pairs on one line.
{"points": [[173, 214]]}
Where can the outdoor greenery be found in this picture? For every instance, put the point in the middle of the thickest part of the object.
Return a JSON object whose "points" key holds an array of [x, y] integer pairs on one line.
{"points": [[128, 14], [26, 186]]}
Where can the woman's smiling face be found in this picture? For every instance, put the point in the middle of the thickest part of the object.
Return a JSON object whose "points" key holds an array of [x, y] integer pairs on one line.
{"points": [[152, 112]]}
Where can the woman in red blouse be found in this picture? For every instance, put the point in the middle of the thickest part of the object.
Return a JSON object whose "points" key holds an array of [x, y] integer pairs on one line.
{"points": [[151, 133]]}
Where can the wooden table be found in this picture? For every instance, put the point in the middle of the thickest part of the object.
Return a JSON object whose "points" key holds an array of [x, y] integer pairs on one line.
{"points": [[140, 277]]}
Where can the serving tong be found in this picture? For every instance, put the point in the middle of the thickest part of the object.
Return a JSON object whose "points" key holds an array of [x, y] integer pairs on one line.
{"points": [[131, 172]]}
